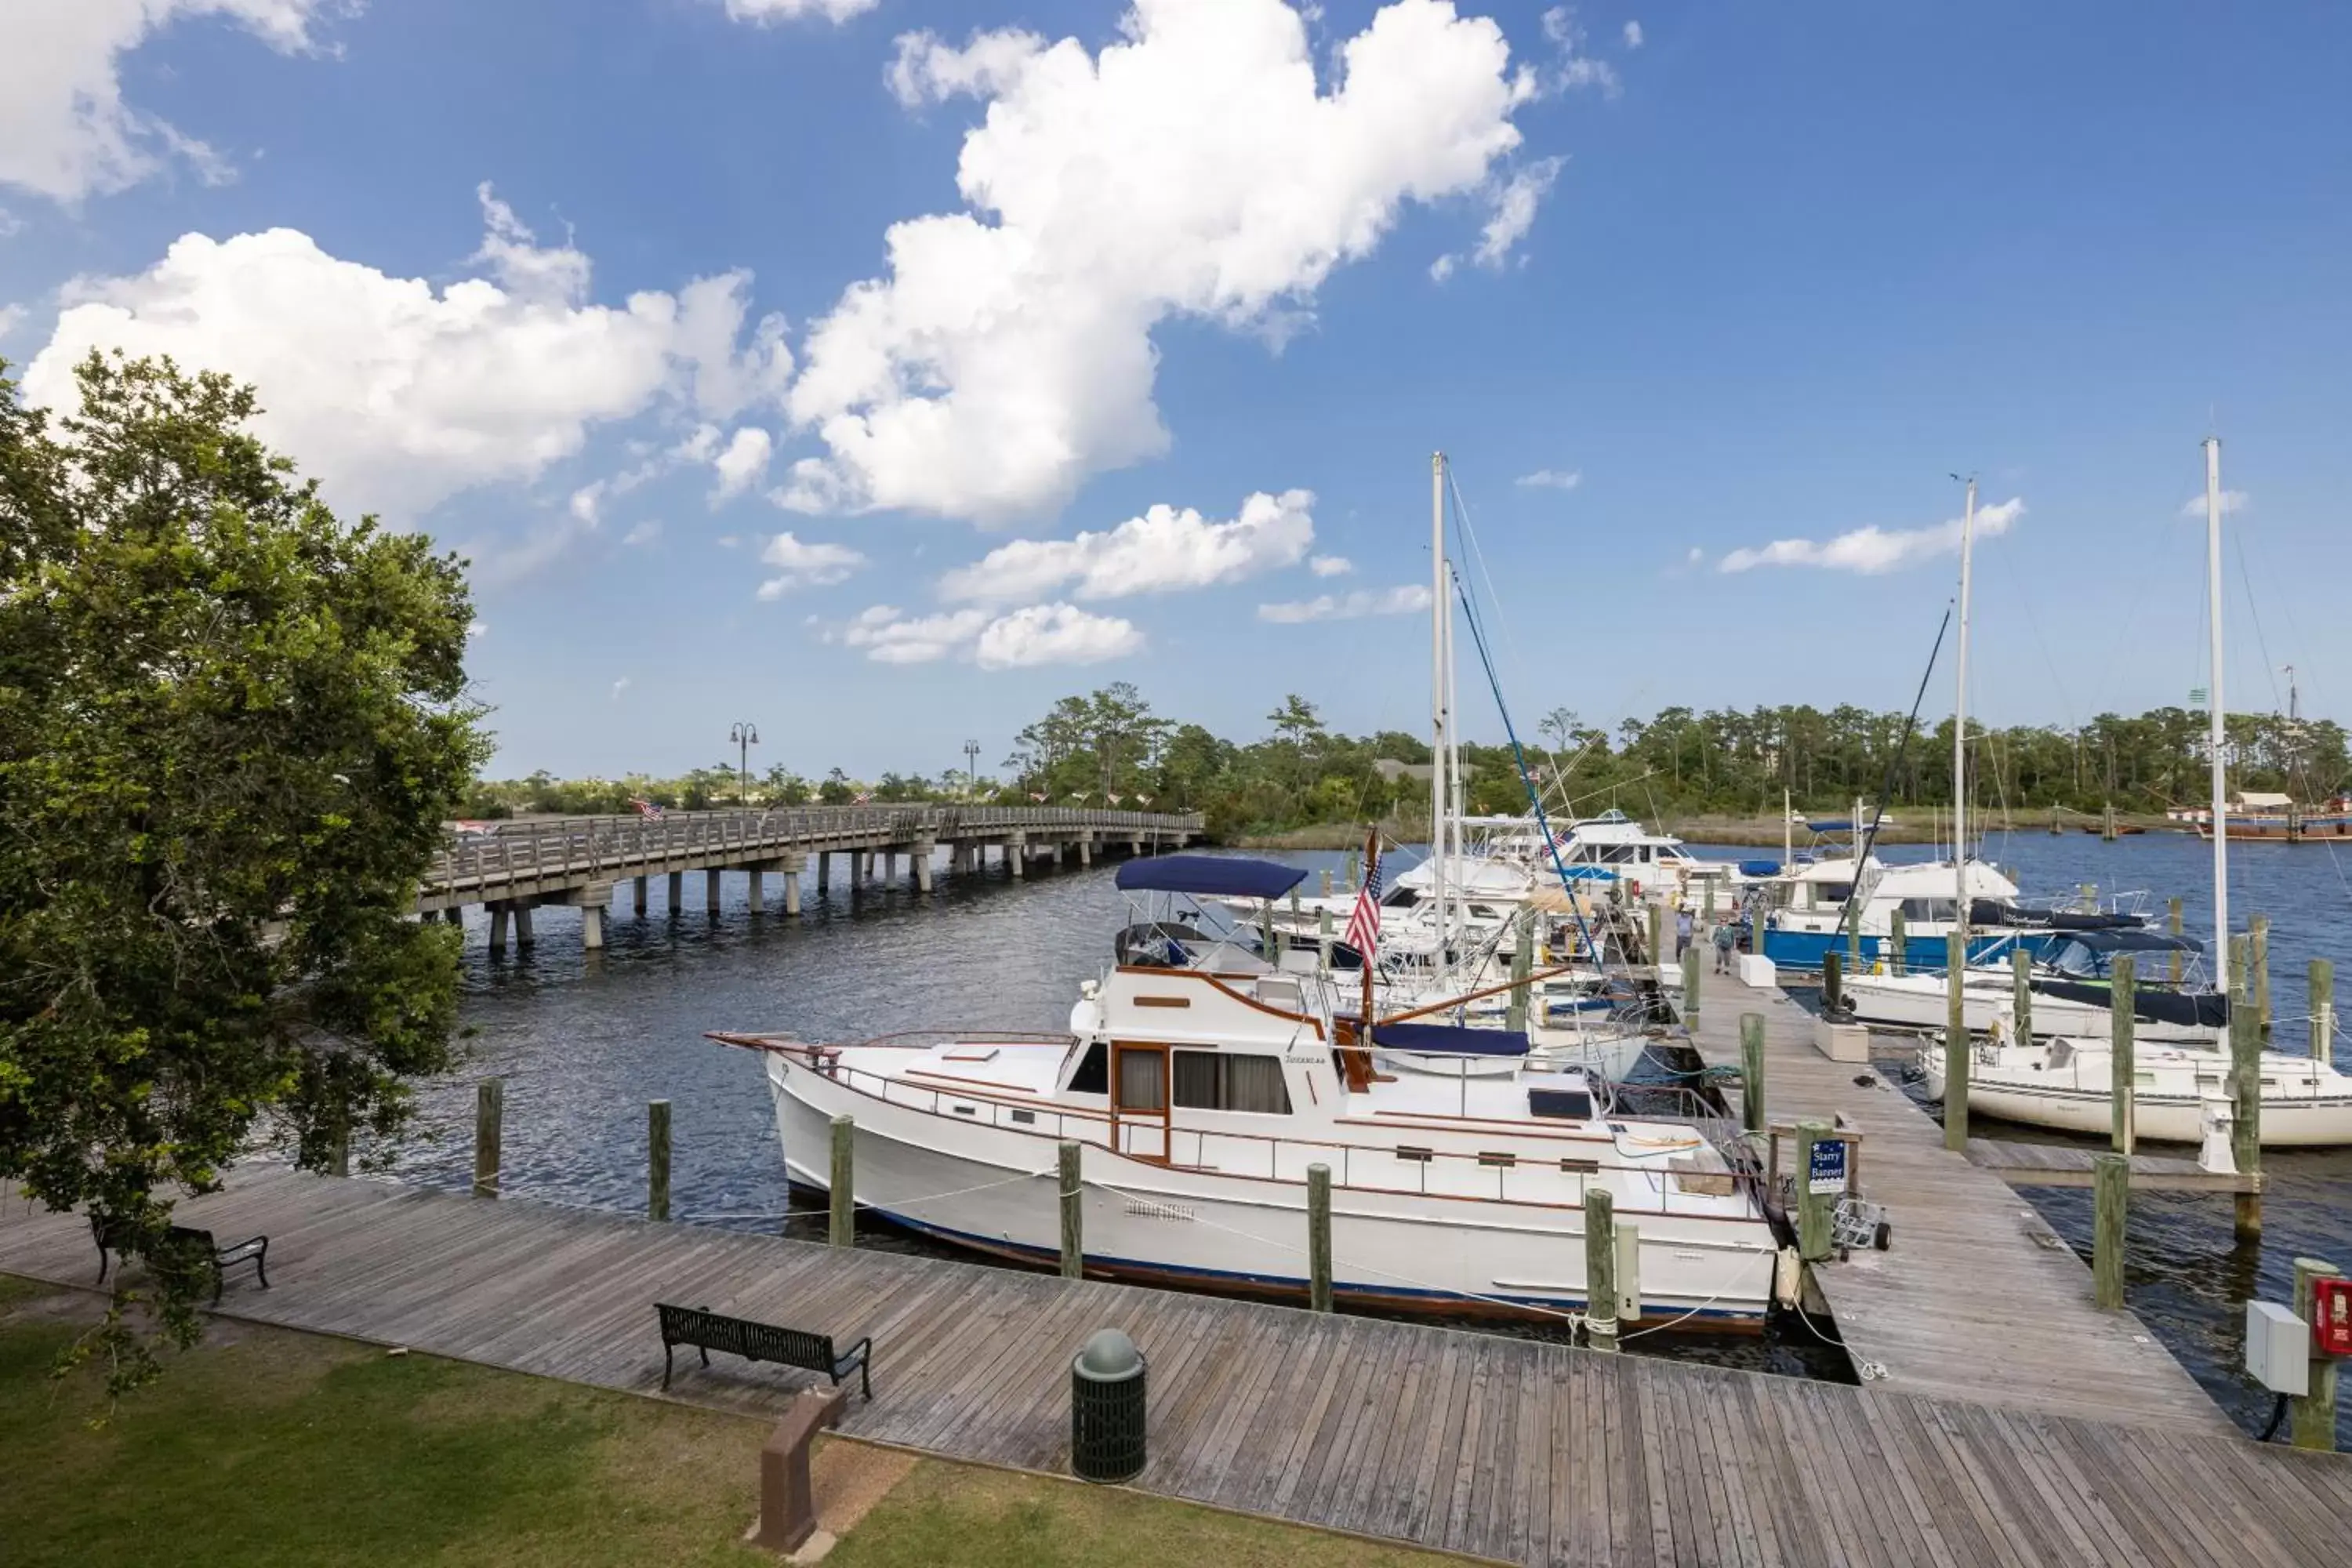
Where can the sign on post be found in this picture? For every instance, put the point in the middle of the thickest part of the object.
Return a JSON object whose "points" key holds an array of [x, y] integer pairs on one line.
{"points": [[1825, 1168]]}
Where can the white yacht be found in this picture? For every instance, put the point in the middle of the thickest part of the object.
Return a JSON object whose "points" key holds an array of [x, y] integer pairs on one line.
{"points": [[2069, 993], [1199, 1100]]}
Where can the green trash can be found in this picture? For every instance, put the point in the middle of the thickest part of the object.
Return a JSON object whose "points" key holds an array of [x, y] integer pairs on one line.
{"points": [[1107, 1408]]}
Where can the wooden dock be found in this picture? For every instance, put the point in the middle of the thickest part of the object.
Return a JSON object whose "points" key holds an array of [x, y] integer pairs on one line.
{"points": [[2069, 1166], [1505, 1449], [1977, 1300]]}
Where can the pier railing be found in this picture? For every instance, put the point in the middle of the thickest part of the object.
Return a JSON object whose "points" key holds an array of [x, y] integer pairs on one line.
{"points": [[573, 847]]}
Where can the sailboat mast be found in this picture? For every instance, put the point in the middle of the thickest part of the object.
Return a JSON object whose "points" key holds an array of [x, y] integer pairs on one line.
{"points": [[2215, 712], [1960, 734], [1440, 720]]}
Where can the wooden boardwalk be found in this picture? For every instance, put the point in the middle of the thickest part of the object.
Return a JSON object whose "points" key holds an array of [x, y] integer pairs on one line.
{"points": [[1500, 1447], [1977, 1300], [2070, 1165]]}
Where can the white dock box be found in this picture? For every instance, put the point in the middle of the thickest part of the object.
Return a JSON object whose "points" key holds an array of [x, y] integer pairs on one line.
{"points": [[2278, 1348], [1756, 972]]}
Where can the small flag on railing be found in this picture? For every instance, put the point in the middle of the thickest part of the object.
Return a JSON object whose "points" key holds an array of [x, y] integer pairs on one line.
{"points": [[1114, 799], [648, 809], [864, 798], [1143, 800], [1037, 794], [1364, 921], [1077, 795]]}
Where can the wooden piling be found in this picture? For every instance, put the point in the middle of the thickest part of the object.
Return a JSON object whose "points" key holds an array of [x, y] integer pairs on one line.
{"points": [[1853, 935], [843, 1231], [2172, 920], [1898, 940], [2124, 1028], [489, 1115], [1690, 984], [2245, 1090], [1319, 1237], [1073, 1189], [1523, 960], [658, 1159], [1813, 1209], [2322, 1010], [1832, 983], [1323, 938], [1751, 1071], [2258, 948], [1956, 1046], [1658, 939], [2110, 1202], [2021, 994], [2311, 1418], [1327, 882], [1600, 1268]]}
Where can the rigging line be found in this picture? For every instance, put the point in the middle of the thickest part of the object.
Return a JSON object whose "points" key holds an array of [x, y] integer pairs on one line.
{"points": [[1469, 533], [2025, 601], [2246, 581], [1535, 796], [1862, 845]]}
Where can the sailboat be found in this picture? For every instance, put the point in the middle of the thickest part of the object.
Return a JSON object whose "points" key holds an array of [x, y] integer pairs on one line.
{"points": [[2067, 1082]]}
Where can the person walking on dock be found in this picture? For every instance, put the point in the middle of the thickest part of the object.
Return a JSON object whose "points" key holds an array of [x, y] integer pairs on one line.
{"points": [[1726, 939], [1682, 931]]}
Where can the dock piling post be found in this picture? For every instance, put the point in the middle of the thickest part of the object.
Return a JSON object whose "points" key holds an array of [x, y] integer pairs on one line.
{"points": [[637, 896], [1813, 1228], [1751, 1071], [1073, 1189], [2172, 921], [2311, 1418], [1658, 940], [658, 1159], [489, 1111], [1355, 868], [1327, 882], [1600, 1268], [1319, 1237], [1832, 983], [2021, 994], [1522, 958], [498, 918], [710, 893], [843, 1230], [2125, 1026], [1690, 985], [2111, 1203], [2258, 948], [676, 892], [2322, 1010], [2246, 1088], [1898, 940], [1956, 1046], [1323, 938]]}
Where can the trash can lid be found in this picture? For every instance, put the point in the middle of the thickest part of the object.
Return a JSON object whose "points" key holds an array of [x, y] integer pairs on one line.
{"points": [[1108, 1357]]}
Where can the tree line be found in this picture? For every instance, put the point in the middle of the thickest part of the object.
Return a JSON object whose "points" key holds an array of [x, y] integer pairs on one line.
{"points": [[1108, 747]]}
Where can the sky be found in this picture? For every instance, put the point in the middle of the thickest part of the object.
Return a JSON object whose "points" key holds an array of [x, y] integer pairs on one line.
{"points": [[880, 371]]}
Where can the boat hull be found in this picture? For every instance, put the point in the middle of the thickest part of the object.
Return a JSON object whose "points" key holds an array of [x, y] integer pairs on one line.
{"points": [[1887, 1000], [995, 1190], [1802, 949], [2314, 1124]]}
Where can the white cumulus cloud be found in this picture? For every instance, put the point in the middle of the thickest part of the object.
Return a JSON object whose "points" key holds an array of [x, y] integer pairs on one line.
{"points": [[1194, 168], [836, 11], [646, 532], [1874, 549], [1551, 479], [2231, 502], [1054, 634], [889, 636], [397, 395], [1330, 565], [1515, 204], [1164, 550], [1407, 600], [1633, 34], [801, 565], [64, 131], [744, 461]]}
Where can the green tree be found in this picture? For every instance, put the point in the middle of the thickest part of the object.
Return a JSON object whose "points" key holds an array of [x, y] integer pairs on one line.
{"points": [[231, 730]]}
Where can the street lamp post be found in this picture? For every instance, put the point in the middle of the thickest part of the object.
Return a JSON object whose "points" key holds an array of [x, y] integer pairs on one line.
{"points": [[971, 768], [745, 735]]}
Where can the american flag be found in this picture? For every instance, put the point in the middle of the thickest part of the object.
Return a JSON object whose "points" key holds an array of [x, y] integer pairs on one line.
{"points": [[648, 809], [1364, 923], [864, 798]]}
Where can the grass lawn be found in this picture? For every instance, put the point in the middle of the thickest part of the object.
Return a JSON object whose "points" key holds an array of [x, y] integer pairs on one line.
{"points": [[265, 1447]]}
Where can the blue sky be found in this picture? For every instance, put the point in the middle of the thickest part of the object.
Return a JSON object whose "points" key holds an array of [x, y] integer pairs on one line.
{"points": [[1767, 275]]}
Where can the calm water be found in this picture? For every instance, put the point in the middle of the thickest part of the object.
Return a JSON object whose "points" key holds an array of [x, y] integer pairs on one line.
{"points": [[585, 1040]]}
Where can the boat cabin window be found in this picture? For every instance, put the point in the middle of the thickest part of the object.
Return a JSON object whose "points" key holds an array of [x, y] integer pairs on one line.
{"points": [[1225, 1080], [1929, 910], [1400, 898], [1140, 1087], [1830, 892], [1565, 1104], [1093, 1076], [1617, 855]]}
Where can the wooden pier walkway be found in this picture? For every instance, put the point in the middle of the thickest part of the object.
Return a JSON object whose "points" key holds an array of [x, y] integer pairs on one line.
{"points": [[1499, 1447], [1977, 1300]]}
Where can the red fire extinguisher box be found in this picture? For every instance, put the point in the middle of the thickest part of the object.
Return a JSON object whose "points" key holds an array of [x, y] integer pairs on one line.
{"points": [[2331, 1317]]}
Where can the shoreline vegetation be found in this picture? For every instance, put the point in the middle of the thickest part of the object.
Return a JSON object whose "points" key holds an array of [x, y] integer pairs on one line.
{"points": [[1717, 777]]}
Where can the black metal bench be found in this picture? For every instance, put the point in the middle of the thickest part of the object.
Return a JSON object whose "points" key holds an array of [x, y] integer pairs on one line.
{"points": [[706, 1330], [188, 1248]]}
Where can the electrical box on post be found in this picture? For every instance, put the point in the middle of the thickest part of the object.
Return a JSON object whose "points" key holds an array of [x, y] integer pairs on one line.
{"points": [[2331, 1316], [2278, 1348]]}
